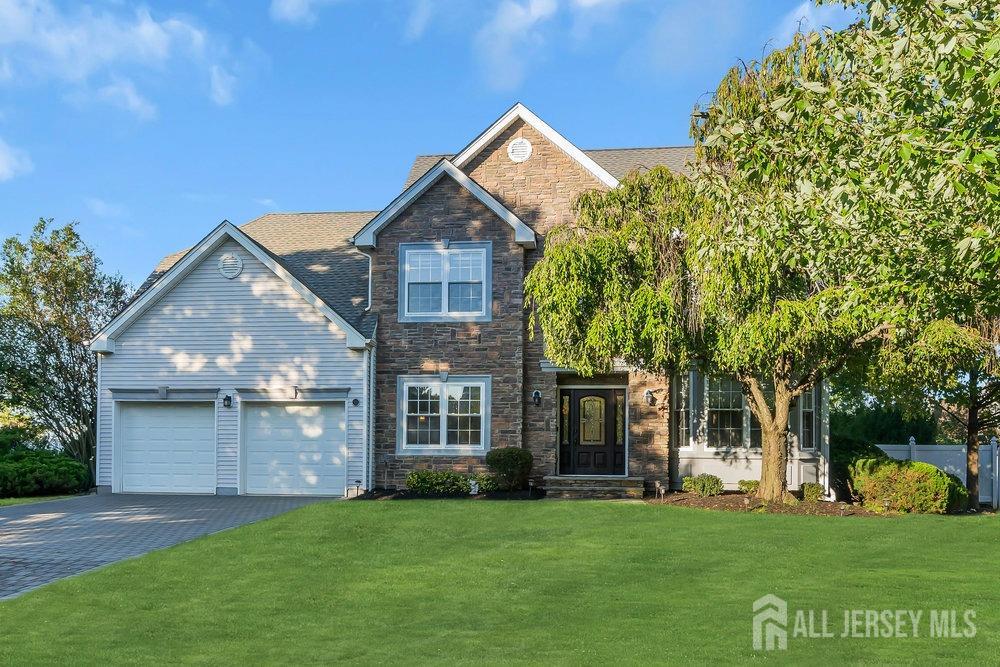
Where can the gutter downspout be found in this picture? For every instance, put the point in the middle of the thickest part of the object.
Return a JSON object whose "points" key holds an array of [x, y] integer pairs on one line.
{"points": [[368, 307]]}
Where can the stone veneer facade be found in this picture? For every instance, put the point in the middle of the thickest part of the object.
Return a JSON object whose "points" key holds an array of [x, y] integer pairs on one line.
{"points": [[541, 192]]}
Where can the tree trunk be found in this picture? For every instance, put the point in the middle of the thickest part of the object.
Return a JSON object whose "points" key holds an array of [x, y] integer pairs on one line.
{"points": [[774, 464], [972, 441], [774, 440]]}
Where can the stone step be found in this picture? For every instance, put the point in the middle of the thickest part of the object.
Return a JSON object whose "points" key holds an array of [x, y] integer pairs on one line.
{"points": [[593, 486], [593, 492]]}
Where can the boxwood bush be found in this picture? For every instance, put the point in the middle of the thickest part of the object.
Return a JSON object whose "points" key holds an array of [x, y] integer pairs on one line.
{"points": [[36, 472], [909, 486], [748, 486], [511, 466], [438, 482], [703, 485]]}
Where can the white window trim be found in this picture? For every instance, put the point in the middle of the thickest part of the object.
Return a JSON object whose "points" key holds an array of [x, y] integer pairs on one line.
{"points": [[445, 249], [692, 436], [403, 382], [745, 435], [815, 420]]}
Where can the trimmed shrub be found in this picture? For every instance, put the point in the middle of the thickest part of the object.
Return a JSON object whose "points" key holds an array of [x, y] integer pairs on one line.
{"points": [[36, 472], [703, 485], [748, 486], [438, 482], [812, 492], [909, 486], [511, 466], [843, 453], [486, 482]]}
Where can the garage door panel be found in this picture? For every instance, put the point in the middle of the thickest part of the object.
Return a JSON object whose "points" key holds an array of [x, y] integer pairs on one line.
{"points": [[168, 448], [295, 449]]}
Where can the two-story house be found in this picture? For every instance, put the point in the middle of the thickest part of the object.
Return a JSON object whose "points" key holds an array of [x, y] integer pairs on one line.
{"points": [[328, 353]]}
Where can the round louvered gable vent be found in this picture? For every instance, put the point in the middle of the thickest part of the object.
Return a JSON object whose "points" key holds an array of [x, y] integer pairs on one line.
{"points": [[519, 150], [230, 265]]}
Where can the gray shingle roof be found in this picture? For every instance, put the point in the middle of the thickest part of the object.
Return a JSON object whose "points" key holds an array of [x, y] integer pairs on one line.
{"points": [[314, 248], [618, 161]]}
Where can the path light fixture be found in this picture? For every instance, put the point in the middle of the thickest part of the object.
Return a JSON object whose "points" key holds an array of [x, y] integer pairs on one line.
{"points": [[227, 401], [885, 504], [746, 504], [843, 509]]}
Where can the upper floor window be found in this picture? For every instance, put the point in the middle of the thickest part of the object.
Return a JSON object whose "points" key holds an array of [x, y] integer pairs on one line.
{"points": [[441, 282]]}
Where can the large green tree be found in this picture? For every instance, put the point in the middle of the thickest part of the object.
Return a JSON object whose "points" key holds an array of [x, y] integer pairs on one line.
{"points": [[53, 298], [951, 368], [829, 213]]}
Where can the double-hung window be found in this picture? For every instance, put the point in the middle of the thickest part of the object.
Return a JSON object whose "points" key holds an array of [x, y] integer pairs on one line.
{"points": [[724, 399], [443, 416], [441, 282]]}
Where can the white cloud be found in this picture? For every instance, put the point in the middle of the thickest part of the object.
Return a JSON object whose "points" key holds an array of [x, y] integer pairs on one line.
{"points": [[122, 94], [266, 202], [13, 162], [688, 32], [40, 41], [104, 209], [296, 12], [419, 19], [223, 85], [808, 16], [511, 39]]}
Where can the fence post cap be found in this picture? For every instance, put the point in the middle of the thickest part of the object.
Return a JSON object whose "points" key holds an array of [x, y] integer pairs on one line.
{"points": [[913, 441]]}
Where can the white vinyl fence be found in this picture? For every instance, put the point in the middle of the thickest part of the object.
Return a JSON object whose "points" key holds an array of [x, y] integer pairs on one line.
{"points": [[951, 458]]}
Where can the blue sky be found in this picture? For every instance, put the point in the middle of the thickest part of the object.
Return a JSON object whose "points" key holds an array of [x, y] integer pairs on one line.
{"points": [[151, 123]]}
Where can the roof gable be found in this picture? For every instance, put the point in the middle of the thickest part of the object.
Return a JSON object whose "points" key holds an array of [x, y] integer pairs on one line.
{"points": [[521, 112], [367, 235], [104, 341]]}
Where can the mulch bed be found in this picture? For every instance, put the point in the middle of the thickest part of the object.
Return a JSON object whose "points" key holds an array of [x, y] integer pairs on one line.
{"points": [[732, 501], [406, 494]]}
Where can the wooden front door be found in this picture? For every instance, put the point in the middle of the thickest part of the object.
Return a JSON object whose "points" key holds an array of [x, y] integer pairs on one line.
{"points": [[592, 431]]}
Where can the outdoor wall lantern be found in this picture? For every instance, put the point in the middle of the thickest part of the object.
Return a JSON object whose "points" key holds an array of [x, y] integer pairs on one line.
{"points": [[649, 398], [227, 401], [536, 397]]}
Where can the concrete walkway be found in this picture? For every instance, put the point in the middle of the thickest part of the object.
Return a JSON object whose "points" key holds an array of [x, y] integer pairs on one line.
{"points": [[43, 542]]}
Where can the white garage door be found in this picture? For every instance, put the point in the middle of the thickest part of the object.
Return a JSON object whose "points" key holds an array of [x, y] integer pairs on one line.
{"points": [[295, 449], [168, 448]]}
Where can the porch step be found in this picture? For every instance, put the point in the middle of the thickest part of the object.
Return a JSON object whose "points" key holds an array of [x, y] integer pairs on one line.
{"points": [[592, 486]]}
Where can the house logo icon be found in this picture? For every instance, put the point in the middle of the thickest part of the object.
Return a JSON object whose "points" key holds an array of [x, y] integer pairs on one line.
{"points": [[770, 624]]}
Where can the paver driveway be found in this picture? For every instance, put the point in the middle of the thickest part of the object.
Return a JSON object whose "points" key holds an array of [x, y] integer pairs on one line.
{"points": [[42, 542]]}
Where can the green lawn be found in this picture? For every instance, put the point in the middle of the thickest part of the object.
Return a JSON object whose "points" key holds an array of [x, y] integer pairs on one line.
{"points": [[499, 582], [7, 502]]}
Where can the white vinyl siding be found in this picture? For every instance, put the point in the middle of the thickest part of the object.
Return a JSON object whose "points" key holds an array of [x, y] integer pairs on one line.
{"points": [[441, 282], [252, 331]]}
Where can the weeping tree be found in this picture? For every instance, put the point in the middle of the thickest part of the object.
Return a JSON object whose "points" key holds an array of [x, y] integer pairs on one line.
{"points": [[53, 299], [828, 215]]}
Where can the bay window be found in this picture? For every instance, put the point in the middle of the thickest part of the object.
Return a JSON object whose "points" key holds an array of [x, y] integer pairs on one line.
{"points": [[441, 282], [711, 413], [443, 416]]}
